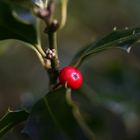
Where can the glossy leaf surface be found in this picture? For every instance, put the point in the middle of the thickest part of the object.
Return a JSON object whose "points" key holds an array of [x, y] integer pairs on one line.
{"points": [[11, 119], [11, 28], [53, 118], [117, 39]]}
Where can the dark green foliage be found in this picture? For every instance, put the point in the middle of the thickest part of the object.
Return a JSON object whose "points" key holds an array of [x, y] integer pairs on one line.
{"points": [[57, 116], [52, 118], [10, 28], [11, 119]]}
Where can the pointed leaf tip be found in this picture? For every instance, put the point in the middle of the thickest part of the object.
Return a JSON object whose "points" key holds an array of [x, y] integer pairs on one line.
{"points": [[122, 39], [10, 119]]}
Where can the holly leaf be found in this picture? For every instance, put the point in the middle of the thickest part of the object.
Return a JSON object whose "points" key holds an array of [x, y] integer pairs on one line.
{"points": [[22, 10], [122, 39], [23, 15], [53, 118], [104, 122], [11, 119], [10, 28]]}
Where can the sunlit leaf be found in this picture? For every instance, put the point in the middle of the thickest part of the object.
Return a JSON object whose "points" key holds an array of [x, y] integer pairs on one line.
{"points": [[117, 39]]}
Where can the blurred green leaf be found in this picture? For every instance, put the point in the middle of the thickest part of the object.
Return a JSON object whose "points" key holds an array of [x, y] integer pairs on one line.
{"points": [[21, 3], [117, 39], [104, 122], [22, 10], [23, 15], [53, 118], [10, 28], [116, 81], [11, 119]]}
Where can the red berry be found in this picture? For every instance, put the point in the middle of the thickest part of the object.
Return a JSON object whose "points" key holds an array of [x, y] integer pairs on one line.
{"points": [[71, 76]]}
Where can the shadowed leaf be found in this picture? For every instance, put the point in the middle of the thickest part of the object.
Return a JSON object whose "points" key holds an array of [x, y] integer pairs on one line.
{"points": [[105, 123], [52, 118], [11, 119], [11, 28]]}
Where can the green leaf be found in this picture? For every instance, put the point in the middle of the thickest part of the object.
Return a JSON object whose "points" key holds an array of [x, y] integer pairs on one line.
{"points": [[104, 122], [19, 3], [53, 118], [11, 119], [23, 14], [117, 39], [10, 28], [22, 10]]}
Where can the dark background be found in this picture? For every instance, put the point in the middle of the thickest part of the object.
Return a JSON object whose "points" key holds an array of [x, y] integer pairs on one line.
{"points": [[113, 74]]}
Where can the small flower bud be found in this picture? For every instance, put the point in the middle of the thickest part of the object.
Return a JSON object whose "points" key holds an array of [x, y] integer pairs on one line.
{"points": [[50, 54], [53, 27], [47, 63]]}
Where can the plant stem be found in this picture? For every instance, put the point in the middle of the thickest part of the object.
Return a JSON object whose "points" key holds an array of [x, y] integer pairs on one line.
{"points": [[39, 48], [52, 36], [78, 116], [39, 56], [53, 72]]}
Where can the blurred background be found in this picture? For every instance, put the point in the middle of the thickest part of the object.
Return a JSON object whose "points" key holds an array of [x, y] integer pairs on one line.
{"points": [[114, 75]]}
